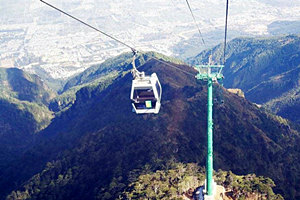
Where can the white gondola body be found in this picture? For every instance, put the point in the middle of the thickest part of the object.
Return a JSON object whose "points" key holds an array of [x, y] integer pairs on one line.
{"points": [[146, 94]]}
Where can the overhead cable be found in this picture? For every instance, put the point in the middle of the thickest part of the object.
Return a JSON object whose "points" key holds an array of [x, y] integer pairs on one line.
{"points": [[195, 22], [123, 43], [226, 19], [133, 49], [170, 65]]}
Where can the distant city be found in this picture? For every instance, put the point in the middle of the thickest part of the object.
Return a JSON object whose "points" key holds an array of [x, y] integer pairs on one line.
{"points": [[38, 39]]}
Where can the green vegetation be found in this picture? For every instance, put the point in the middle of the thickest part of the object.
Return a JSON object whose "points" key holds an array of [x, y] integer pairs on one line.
{"points": [[98, 148], [24, 93], [64, 101], [40, 113], [246, 186], [15, 83], [287, 105], [172, 183], [119, 64], [266, 69], [19, 121], [103, 74], [175, 182], [24, 112], [182, 179]]}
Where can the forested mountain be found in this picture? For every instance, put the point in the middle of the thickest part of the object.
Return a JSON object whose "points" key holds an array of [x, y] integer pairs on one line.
{"points": [[180, 180], [102, 74], [20, 85], [267, 70], [90, 150], [23, 112], [24, 101], [114, 65]]}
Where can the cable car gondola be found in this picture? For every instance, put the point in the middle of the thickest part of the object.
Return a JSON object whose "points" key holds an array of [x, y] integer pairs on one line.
{"points": [[145, 92]]}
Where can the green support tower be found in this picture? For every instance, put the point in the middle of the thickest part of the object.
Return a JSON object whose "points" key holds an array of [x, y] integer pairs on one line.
{"points": [[211, 74]]}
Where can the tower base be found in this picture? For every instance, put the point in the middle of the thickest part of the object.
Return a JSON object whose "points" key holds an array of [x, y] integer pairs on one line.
{"points": [[218, 192]]}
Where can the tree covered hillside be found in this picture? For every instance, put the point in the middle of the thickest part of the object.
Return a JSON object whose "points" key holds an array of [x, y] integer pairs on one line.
{"points": [[90, 150], [179, 181], [267, 70], [22, 93], [23, 112], [102, 74]]}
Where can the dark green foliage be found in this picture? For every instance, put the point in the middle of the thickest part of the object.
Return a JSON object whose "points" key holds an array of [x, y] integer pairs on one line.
{"points": [[94, 147], [102, 74], [18, 84], [24, 100], [267, 70], [242, 187], [181, 179], [121, 63], [64, 101], [23, 112], [15, 126], [173, 183]]}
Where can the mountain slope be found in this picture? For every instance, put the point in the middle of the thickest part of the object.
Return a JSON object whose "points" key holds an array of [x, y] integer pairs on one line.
{"points": [[267, 70], [23, 112], [102, 74], [92, 147], [181, 180], [21, 92], [116, 64], [23, 86]]}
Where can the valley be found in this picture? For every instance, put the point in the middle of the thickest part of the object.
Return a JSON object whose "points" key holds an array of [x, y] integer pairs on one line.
{"points": [[266, 69], [93, 145], [67, 127]]}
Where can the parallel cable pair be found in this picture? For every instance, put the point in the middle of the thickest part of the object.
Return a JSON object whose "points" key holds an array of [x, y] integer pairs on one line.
{"points": [[226, 22]]}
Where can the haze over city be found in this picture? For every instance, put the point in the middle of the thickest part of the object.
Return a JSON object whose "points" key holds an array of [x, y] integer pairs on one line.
{"points": [[40, 40]]}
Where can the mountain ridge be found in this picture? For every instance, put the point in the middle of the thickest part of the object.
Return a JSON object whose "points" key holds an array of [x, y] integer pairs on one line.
{"points": [[266, 69], [103, 74], [23, 113], [98, 139]]}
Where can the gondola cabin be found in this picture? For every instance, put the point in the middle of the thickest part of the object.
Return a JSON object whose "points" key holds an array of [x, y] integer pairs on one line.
{"points": [[146, 94]]}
